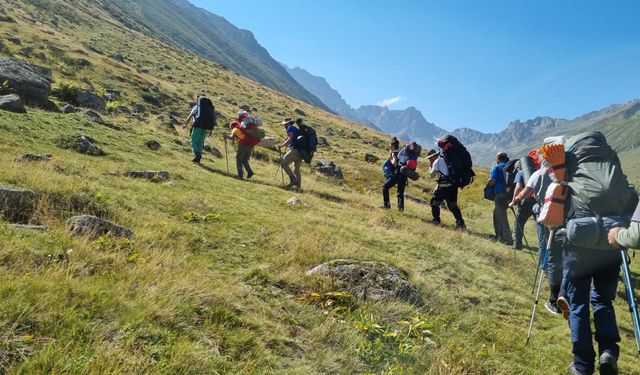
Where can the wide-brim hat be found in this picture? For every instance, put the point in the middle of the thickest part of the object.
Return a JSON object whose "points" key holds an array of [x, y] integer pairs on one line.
{"points": [[432, 153], [287, 120]]}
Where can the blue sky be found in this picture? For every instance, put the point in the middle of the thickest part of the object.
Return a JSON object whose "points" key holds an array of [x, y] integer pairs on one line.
{"points": [[478, 64]]}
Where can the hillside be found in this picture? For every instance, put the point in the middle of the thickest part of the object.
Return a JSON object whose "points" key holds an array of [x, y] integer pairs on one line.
{"points": [[214, 280]]}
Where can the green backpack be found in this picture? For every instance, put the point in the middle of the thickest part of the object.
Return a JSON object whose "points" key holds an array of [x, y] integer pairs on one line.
{"points": [[596, 177]]}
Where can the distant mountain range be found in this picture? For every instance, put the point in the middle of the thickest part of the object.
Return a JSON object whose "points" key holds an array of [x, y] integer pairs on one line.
{"points": [[619, 122], [211, 37]]}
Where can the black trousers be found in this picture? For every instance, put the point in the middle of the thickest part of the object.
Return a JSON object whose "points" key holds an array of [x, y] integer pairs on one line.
{"points": [[447, 194], [525, 211], [396, 179]]}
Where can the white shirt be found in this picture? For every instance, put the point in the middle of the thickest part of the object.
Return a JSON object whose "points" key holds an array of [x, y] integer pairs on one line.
{"points": [[439, 166]]}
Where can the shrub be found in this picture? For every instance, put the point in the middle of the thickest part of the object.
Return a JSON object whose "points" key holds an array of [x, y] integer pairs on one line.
{"points": [[66, 91]]}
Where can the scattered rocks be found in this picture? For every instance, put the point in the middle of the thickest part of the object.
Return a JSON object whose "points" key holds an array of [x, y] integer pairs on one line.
{"points": [[370, 280], [26, 80], [68, 108], [294, 201], [94, 227], [17, 205], [13, 39], [329, 168], [323, 142], [88, 99], [212, 150], [138, 108], [268, 142], [35, 157], [92, 116], [12, 103], [154, 176], [355, 135], [80, 143], [370, 158], [300, 112], [153, 145]]}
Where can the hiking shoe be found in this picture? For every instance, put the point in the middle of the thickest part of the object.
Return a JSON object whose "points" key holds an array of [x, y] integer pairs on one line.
{"points": [[608, 364], [385, 207], [460, 227], [249, 175], [563, 305], [573, 370], [552, 308], [436, 222]]}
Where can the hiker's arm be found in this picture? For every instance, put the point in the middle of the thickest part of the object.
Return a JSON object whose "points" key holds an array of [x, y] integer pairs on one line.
{"points": [[188, 120], [526, 193], [394, 159], [288, 141], [517, 190], [628, 238]]}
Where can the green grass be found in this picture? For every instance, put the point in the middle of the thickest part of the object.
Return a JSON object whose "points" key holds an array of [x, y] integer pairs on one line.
{"points": [[223, 295]]}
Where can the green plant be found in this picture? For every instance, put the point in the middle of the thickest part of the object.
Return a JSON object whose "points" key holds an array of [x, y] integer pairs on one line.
{"points": [[66, 91], [112, 105]]}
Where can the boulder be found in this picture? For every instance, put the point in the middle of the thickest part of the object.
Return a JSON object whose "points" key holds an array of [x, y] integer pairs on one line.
{"points": [[80, 143], [370, 280], [322, 142], [370, 158], [355, 135], [26, 80], [17, 205], [329, 168], [268, 142], [153, 145], [35, 157], [299, 112], [94, 227], [13, 39], [68, 108], [154, 101], [92, 116], [155, 176], [212, 150], [12, 103], [294, 201], [88, 99], [138, 108]]}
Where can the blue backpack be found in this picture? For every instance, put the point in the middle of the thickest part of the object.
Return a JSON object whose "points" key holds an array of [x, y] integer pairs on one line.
{"points": [[387, 169]]}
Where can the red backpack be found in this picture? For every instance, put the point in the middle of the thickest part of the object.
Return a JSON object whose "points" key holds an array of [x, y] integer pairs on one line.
{"points": [[249, 140]]}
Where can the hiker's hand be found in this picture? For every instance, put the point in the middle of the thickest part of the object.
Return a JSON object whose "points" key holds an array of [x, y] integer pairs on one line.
{"points": [[612, 237], [513, 203]]}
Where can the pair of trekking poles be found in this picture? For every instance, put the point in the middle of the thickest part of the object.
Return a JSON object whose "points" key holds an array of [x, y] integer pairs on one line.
{"points": [[626, 277]]}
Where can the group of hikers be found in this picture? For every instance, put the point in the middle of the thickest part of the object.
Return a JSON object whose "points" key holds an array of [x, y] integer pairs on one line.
{"points": [[585, 211]]}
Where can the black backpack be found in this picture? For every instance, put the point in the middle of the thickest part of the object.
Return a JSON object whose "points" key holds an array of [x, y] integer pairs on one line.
{"points": [[510, 172], [307, 142], [459, 162], [205, 114]]}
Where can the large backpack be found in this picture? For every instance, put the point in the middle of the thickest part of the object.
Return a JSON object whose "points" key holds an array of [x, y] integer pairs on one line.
{"points": [[307, 142], [459, 162], [205, 114], [510, 172], [252, 133], [596, 178]]}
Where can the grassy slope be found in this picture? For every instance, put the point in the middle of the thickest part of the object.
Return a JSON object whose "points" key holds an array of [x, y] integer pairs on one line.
{"points": [[220, 296]]}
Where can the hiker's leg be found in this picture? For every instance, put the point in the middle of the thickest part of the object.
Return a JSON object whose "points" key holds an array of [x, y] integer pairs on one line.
{"points": [[391, 182], [451, 196], [297, 164], [246, 159], [288, 158], [436, 201], [502, 204], [525, 209], [554, 270], [578, 291], [197, 141], [402, 183], [240, 154], [605, 284]]}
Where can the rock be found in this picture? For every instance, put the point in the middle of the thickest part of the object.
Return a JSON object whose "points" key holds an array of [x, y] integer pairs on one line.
{"points": [[300, 112], [81, 144], [35, 157], [153, 145], [329, 168], [112, 95], [245, 107], [88, 99], [138, 108], [94, 227], [68, 108], [26, 80], [26, 51], [51, 106], [12, 103], [370, 280], [268, 142], [92, 116], [2, 11], [322, 142], [13, 39], [123, 109], [83, 63], [36, 228], [370, 158], [294, 201], [17, 205], [355, 135], [212, 150], [119, 57], [154, 101], [155, 176]]}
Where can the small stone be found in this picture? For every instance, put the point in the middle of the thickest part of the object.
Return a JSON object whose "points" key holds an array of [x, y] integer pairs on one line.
{"points": [[12, 103], [294, 201], [329, 168], [88, 99], [138, 108], [245, 107], [300, 112], [323, 142], [119, 57], [17, 205], [123, 109], [112, 95], [80, 143], [370, 158], [68, 108], [212, 150], [94, 227], [35, 157], [13, 39], [155, 176], [92, 116], [153, 145], [355, 135]]}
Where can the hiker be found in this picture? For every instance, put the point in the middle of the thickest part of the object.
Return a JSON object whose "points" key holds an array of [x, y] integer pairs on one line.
{"points": [[628, 238], [525, 206], [445, 190], [293, 155], [246, 142], [203, 119], [402, 158], [387, 166], [501, 199]]}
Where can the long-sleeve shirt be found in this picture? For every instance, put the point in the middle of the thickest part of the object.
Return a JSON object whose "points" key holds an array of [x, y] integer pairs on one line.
{"points": [[630, 237]]}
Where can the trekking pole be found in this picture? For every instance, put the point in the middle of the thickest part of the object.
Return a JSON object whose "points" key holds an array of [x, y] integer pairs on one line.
{"points": [[543, 267], [281, 169], [631, 298], [519, 226], [226, 154]]}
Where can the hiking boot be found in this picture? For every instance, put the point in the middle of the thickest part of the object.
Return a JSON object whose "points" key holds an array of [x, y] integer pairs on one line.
{"points": [[516, 246], [197, 159], [552, 308], [249, 175], [400, 209], [436, 222], [608, 364], [573, 370], [563, 305], [385, 206], [460, 227]]}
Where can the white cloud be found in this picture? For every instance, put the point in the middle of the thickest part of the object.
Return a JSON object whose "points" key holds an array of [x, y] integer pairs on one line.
{"points": [[391, 101]]}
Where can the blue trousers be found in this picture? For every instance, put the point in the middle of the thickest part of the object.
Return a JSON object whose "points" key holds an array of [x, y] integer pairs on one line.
{"points": [[396, 179], [595, 285]]}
